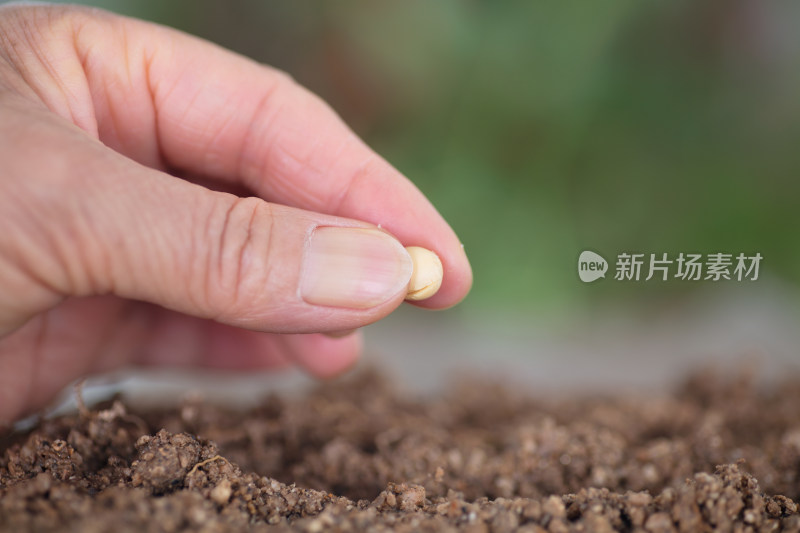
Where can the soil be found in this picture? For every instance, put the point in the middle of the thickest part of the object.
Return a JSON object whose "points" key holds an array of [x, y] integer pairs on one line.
{"points": [[716, 453]]}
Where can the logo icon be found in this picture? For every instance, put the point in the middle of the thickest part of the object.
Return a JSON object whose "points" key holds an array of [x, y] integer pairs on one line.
{"points": [[591, 266]]}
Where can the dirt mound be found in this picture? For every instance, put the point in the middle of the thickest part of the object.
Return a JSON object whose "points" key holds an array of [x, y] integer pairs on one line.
{"points": [[357, 455]]}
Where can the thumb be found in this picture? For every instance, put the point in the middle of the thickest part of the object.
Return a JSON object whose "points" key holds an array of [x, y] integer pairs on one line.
{"points": [[118, 227], [249, 263]]}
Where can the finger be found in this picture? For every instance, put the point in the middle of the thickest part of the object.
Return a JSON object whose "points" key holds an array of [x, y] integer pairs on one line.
{"points": [[182, 103], [84, 336], [324, 356], [48, 352], [150, 237], [340, 334], [176, 340]]}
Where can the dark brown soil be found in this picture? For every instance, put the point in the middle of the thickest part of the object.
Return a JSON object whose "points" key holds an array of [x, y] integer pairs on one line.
{"points": [[355, 455]]}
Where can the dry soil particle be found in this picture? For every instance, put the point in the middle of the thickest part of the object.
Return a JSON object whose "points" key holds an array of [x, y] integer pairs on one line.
{"points": [[356, 456]]}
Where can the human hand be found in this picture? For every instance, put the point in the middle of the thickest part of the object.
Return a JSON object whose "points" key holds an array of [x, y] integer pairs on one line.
{"points": [[118, 246]]}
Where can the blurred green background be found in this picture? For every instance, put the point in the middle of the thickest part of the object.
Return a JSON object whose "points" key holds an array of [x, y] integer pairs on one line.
{"points": [[540, 129]]}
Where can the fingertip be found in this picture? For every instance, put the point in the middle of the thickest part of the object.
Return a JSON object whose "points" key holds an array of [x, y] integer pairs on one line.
{"points": [[323, 356], [339, 334]]}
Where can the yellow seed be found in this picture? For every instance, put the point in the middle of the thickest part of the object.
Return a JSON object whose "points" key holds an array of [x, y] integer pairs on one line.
{"points": [[427, 276]]}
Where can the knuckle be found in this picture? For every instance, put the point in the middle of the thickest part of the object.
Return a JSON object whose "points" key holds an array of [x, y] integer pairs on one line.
{"points": [[52, 236], [25, 24], [238, 265], [282, 78]]}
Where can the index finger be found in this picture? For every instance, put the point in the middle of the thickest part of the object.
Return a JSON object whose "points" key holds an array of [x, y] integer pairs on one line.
{"points": [[199, 108]]}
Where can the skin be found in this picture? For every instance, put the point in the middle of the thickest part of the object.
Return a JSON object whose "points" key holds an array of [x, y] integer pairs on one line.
{"points": [[156, 192]]}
